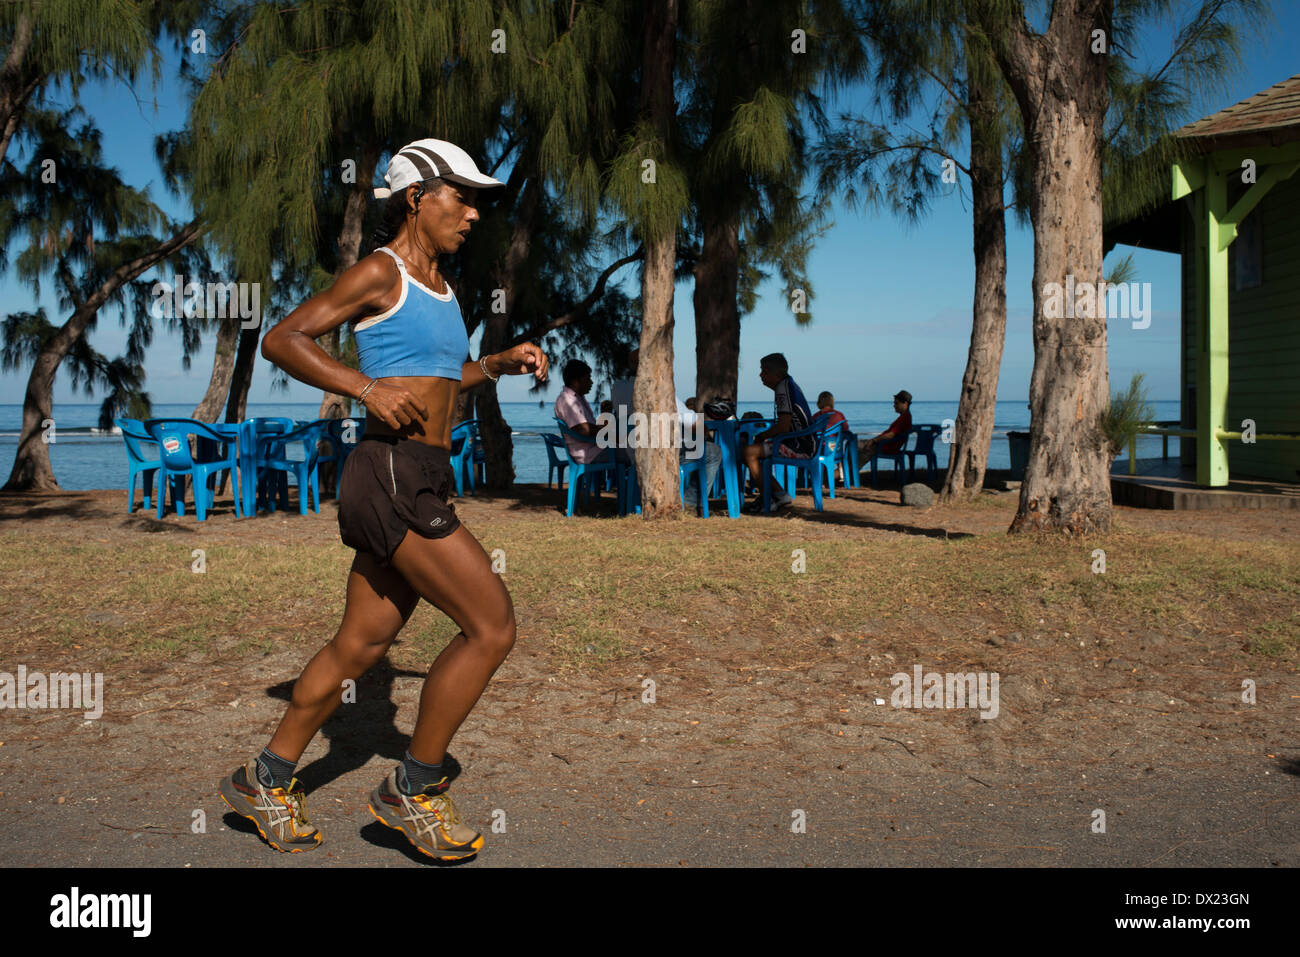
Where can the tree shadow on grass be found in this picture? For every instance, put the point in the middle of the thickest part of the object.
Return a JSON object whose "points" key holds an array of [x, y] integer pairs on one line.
{"points": [[539, 498], [34, 506], [358, 730], [92, 506], [857, 521]]}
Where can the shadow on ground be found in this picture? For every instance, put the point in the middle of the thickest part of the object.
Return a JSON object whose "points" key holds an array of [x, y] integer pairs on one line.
{"points": [[357, 730]]}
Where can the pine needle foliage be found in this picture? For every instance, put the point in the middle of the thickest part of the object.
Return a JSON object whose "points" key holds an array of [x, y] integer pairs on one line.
{"points": [[1124, 416]]}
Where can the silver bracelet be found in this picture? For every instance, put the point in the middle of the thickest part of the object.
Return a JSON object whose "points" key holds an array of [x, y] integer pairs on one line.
{"points": [[482, 364], [366, 390]]}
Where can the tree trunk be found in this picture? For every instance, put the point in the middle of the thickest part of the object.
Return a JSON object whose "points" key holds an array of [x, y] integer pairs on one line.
{"points": [[333, 405], [1060, 85], [1067, 479], [223, 364], [717, 313], [31, 469], [498, 444], [653, 393], [973, 430], [242, 376]]}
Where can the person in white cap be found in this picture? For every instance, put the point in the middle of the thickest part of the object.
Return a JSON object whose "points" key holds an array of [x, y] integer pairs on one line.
{"points": [[393, 505]]}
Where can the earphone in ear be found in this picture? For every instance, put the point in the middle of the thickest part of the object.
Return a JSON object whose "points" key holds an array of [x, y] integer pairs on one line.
{"points": [[419, 191]]}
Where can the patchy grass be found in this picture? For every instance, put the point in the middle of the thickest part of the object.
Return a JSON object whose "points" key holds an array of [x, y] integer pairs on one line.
{"points": [[1277, 639], [592, 591]]}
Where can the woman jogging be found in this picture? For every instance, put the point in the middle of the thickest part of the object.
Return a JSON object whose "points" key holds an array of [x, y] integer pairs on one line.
{"points": [[393, 506]]}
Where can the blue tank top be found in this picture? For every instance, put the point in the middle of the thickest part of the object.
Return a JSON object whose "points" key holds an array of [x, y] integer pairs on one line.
{"points": [[423, 335]]}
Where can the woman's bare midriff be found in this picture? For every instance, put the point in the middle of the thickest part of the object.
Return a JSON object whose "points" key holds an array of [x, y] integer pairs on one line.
{"points": [[438, 396]]}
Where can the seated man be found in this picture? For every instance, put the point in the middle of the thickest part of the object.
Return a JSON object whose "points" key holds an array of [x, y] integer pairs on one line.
{"points": [[792, 415], [827, 415], [893, 438], [572, 409], [691, 424]]}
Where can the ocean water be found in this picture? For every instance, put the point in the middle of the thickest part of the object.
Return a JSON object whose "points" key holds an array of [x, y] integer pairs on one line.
{"points": [[84, 458]]}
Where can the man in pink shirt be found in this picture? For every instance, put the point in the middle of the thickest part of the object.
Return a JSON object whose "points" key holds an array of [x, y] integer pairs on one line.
{"points": [[572, 408]]}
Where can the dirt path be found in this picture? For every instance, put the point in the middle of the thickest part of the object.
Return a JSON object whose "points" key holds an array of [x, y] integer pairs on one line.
{"points": [[739, 746]]}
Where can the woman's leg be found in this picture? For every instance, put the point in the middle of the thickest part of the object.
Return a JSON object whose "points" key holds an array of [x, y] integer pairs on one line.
{"points": [[455, 575], [379, 602]]}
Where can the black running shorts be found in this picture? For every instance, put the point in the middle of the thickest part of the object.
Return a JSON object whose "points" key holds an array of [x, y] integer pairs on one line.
{"points": [[390, 485]]}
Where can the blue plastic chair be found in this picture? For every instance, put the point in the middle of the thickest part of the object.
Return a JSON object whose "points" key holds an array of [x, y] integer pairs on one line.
{"points": [[466, 454], [728, 482], [135, 439], [277, 465], [925, 436], [811, 467], [253, 479], [173, 438], [590, 471], [695, 470], [849, 458], [828, 455], [555, 464], [746, 429], [832, 453], [898, 458], [338, 432], [462, 452], [846, 453]]}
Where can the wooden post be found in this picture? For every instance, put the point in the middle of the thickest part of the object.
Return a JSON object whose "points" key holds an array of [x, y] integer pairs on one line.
{"points": [[1212, 339]]}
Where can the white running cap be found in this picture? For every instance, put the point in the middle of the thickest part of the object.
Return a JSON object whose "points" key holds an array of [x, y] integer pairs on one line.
{"points": [[425, 159]]}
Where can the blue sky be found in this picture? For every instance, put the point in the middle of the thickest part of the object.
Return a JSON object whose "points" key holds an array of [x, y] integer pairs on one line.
{"points": [[892, 301]]}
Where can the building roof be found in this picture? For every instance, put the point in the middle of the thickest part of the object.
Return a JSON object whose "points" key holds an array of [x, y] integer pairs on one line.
{"points": [[1269, 118]]}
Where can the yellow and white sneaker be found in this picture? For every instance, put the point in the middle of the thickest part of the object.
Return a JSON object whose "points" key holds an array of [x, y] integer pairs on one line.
{"points": [[428, 819], [279, 813]]}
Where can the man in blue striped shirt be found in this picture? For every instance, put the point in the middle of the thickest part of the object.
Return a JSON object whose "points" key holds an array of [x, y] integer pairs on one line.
{"points": [[792, 414]]}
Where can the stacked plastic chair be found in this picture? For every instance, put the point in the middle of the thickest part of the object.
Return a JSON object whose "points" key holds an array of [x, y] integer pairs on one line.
{"points": [[138, 441], [178, 465]]}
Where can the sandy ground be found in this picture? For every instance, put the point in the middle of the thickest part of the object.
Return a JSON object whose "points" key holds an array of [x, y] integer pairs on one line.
{"points": [[742, 759]]}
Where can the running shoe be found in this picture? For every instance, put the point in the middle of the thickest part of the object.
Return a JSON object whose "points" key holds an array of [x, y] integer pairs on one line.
{"points": [[428, 819], [280, 814]]}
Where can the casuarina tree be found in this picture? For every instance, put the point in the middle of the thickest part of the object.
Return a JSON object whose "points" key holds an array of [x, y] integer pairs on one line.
{"points": [[1062, 78]]}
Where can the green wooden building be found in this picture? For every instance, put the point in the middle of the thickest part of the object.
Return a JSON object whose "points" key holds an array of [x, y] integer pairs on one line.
{"points": [[1233, 215]]}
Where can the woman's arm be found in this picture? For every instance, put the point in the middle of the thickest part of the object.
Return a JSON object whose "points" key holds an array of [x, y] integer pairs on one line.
{"points": [[520, 360], [367, 288]]}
